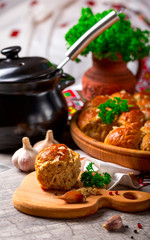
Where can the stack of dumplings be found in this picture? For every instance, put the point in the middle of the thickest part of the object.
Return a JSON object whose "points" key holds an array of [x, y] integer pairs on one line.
{"points": [[129, 130]]}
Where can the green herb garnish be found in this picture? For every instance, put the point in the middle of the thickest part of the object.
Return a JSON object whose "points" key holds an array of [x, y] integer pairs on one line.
{"points": [[131, 43], [91, 178], [111, 108]]}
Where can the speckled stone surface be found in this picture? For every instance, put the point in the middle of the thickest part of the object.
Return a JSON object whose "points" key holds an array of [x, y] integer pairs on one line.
{"points": [[16, 225]]}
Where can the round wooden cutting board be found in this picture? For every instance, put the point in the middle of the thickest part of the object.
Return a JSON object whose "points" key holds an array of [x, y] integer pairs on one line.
{"points": [[29, 198]]}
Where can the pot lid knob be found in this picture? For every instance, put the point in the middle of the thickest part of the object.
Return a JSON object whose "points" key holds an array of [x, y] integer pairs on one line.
{"points": [[11, 52]]}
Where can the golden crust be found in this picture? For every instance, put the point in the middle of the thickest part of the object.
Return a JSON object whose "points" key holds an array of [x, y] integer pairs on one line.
{"points": [[144, 105], [125, 95], [125, 137], [146, 128], [146, 112], [122, 94], [57, 167], [98, 132], [87, 116], [134, 118], [145, 144], [140, 95], [95, 102], [91, 124]]}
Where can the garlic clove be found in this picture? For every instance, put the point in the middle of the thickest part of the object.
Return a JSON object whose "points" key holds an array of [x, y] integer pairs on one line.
{"points": [[73, 197], [24, 158], [114, 223], [26, 162], [15, 158], [49, 139]]}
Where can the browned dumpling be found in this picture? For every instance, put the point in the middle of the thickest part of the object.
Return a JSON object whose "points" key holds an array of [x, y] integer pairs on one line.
{"points": [[125, 95], [91, 124], [146, 128], [122, 94], [95, 102], [125, 137], [57, 167], [146, 112], [127, 130], [87, 116], [144, 105], [145, 144], [134, 118], [140, 95]]}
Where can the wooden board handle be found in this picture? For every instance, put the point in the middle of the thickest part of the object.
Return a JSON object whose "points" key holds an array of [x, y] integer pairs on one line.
{"points": [[29, 198], [126, 201]]}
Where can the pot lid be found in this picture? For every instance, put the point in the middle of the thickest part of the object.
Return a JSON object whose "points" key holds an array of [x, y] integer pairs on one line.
{"points": [[14, 69]]}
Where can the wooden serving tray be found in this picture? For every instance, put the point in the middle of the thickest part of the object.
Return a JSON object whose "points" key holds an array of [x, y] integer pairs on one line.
{"points": [[29, 198], [130, 158]]}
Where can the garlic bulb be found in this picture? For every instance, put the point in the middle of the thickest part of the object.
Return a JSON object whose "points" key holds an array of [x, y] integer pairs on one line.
{"points": [[24, 158], [46, 142]]}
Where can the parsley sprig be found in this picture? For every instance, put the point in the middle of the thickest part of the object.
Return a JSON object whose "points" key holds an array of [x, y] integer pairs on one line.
{"points": [[91, 178], [111, 108], [131, 43]]}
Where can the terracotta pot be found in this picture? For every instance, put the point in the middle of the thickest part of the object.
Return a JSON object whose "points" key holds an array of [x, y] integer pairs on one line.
{"points": [[107, 77]]}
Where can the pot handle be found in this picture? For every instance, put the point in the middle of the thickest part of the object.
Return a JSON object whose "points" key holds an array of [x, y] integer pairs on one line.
{"points": [[140, 68], [65, 81]]}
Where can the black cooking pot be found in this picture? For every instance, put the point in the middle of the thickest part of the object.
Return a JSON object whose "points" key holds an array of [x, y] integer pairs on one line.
{"points": [[31, 101]]}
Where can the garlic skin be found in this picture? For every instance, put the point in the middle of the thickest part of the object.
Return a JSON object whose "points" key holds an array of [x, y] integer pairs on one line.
{"points": [[24, 158], [114, 223], [49, 139]]}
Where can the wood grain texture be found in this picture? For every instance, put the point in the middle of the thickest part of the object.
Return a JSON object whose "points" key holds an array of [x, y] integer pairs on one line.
{"points": [[31, 199], [130, 158], [15, 225]]}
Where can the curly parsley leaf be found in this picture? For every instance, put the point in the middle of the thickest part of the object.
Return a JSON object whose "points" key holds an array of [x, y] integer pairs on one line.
{"points": [[91, 178], [131, 43], [111, 108], [90, 167]]}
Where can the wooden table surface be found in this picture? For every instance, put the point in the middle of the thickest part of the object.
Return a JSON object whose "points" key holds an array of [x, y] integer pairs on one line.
{"points": [[16, 225]]}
